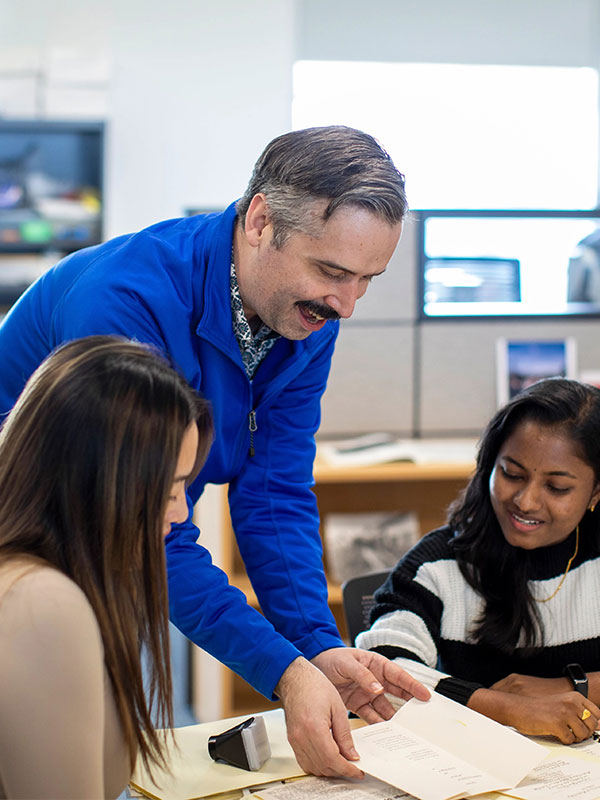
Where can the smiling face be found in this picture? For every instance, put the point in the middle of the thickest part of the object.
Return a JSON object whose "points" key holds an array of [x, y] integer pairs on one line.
{"points": [[310, 279], [540, 488], [177, 510]]}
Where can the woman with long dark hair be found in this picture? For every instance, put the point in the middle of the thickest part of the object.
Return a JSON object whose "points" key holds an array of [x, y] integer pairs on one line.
{"points": [[94, 459], [499, 609]]}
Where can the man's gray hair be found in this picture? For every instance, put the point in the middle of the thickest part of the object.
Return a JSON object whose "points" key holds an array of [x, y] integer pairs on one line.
{"points": [[336, 163]]}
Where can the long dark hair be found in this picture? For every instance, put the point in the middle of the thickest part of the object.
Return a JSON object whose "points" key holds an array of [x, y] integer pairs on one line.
{"points": [[495, 569], [87, 461]]}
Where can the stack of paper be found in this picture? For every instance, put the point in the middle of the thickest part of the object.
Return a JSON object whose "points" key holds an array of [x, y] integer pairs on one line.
{"points": [[376, 448]]}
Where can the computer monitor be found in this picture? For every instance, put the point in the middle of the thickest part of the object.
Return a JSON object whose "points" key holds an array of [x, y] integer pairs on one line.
{"points": [[472, 280], [509, 263], [50, 185]]}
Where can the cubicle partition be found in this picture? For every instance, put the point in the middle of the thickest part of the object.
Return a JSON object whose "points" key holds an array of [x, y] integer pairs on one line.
{"points": [[396, 370]]}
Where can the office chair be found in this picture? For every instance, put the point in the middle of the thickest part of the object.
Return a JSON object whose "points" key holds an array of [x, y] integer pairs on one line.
{"points": [[357, 600]]}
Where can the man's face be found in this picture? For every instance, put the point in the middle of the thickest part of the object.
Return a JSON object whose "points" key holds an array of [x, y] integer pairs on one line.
{"points": [[295, 289]]}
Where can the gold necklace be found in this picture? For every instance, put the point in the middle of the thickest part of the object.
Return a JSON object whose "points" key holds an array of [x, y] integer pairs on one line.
{"points": [[562, 580]]}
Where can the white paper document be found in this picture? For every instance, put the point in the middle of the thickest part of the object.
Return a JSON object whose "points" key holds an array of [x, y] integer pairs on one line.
{"points": [[439, 750], [560, 778], [588, 749]]}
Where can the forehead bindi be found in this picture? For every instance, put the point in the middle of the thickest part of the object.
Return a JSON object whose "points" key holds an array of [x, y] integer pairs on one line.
{"points": [[543, 449]]}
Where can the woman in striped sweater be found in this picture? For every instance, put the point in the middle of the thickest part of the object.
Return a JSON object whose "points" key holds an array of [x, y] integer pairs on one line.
{"points": [[500, 609]]}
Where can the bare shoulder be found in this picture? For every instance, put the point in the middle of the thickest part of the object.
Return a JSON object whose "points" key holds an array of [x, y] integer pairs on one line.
{"points": [[38, 600]]}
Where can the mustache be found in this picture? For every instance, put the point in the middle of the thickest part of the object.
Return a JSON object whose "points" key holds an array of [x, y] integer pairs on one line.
{"points": [[316, 308]]}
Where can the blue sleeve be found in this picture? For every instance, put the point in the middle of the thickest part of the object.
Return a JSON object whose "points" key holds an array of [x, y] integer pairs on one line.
{"points": [[216, 616], [275, 516], [203, 605], [24, 343], [69, 301], [61, 307]]}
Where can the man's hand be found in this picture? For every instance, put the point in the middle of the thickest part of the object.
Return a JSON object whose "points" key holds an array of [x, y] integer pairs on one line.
{"points": [[556, 715], [361, 677], [317, 722]]}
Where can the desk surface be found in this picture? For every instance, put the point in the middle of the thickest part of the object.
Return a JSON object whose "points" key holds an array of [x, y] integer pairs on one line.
{"points": [[195, 775]]}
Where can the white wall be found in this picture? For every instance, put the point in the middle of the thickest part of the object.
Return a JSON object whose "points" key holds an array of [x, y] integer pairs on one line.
{"points": [[192, 90], [199, 89], [542, 32]]}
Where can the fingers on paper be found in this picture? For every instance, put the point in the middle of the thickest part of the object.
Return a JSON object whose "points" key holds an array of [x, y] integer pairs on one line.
{"points": [[325, 751]]}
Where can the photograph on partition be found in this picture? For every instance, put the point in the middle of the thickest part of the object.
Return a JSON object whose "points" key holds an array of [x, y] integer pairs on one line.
{"points": [[521, 363]]}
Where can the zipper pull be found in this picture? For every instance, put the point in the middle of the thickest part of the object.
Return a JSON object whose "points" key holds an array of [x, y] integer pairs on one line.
{"points": [[253, 427]]}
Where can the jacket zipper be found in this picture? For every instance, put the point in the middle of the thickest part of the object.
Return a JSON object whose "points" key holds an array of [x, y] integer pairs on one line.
{"points": [[253, 427]]}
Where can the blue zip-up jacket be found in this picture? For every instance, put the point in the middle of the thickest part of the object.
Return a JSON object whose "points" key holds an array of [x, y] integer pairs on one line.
{"points": [[169, 285]]}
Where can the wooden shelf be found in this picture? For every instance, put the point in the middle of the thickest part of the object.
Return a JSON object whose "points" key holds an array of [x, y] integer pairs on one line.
{"points": [[397, 471]]}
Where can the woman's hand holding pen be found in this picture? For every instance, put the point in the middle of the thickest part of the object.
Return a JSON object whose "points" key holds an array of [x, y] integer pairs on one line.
{"points": [[568, 716]]}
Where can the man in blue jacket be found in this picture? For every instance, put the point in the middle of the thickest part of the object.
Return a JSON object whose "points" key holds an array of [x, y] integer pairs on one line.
{"points": [[246, 304]]}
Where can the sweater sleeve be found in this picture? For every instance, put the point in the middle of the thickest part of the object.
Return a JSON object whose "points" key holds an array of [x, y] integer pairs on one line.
{"points": [[215, 615], [52, 698], [407, 618]]}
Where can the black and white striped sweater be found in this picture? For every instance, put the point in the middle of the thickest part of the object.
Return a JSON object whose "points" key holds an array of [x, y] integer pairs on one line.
{"points": [[426, 610]]}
